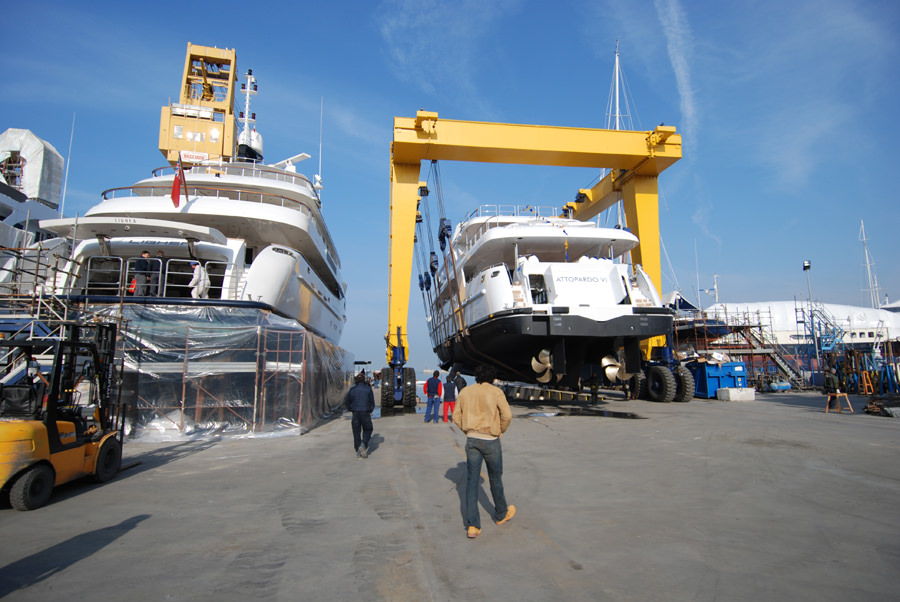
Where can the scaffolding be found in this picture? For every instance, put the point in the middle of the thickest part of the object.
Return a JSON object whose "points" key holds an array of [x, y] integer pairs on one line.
{"points": [[749, 336]]}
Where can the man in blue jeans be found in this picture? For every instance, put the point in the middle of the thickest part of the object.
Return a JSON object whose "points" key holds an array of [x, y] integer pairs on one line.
{"points": [[432, 389], [483, 414]]}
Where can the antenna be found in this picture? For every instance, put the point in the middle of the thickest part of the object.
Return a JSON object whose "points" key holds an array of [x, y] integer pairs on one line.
{"points": [[62, 204]]}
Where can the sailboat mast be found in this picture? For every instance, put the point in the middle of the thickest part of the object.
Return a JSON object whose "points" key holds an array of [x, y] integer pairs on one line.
{"points": [[874, 293], [616, 80]]}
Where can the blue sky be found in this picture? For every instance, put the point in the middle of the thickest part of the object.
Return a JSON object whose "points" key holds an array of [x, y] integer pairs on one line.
{"points": [[785, 110]]}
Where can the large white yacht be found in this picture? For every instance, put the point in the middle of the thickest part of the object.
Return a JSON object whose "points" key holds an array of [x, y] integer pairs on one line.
{"points": [[256, 228], [541, 297]]}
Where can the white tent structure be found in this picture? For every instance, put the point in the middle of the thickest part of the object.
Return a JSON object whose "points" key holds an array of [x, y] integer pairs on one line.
{"points": [[33, 164]]}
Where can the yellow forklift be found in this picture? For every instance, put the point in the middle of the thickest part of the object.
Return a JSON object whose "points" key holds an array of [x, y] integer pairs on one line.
{"points": [[60, 417]]}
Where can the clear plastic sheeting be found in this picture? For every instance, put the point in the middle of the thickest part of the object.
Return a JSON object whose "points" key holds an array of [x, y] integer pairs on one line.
{"points": [[194, 371]]}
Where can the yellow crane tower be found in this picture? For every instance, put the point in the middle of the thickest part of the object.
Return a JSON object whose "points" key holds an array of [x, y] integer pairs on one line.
{"points": [[635, 158]]}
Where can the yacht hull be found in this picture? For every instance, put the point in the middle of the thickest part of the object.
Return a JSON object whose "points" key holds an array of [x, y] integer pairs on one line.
{"points": [[577, 344]]}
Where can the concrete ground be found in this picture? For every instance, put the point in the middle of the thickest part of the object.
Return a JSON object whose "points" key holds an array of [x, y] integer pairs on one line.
{"points": [[741, 501]]}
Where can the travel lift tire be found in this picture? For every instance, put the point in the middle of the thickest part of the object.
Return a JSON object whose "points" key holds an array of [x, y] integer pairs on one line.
{"points": [[661, 384], [387, 391], [685, 385], [409, 390], [33, 488]]}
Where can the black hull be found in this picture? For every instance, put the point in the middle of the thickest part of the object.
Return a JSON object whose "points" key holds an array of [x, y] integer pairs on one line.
{"points": [[509, 340]]}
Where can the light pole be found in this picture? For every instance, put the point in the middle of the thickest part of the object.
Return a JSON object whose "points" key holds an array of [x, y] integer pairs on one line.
{"points": [[812, 320]]}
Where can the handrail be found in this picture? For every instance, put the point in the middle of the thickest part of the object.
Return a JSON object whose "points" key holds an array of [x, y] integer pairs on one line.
{"points": [[242, 169], [234, 194]]}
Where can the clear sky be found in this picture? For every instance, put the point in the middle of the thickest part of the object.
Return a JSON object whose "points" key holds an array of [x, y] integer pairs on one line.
{"points": [[785, 109]]}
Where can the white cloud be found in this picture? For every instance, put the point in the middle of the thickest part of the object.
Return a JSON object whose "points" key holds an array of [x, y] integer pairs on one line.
{"points": [[680, 46]]}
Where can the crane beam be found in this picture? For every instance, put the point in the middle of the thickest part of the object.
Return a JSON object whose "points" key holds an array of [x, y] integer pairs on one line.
{"points": [[636, 158]]}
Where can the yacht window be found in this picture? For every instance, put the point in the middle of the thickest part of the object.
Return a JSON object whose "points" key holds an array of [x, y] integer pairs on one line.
{"points": [[538, 288], [248, 256]]}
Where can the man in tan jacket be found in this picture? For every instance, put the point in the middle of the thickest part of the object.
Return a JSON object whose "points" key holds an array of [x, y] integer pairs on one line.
{"points": [[483, 414]]}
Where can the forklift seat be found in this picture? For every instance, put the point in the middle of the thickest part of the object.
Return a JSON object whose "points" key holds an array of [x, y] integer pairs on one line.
{"points": [[22, 400]]}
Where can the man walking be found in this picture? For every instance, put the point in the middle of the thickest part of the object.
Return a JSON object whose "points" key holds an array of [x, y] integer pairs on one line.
{"points": [[432, 389], [483, 414], [361, 401]]}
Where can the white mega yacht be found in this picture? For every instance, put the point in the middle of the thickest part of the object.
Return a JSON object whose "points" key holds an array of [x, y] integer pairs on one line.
{"points": [[257, 229], [542, 297]]}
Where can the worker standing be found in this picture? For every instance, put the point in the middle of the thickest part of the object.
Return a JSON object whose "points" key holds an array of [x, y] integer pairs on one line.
{"points": [[432, 389], [200, 282], [483, 414], [449, 397], [361, 401], [142, 274]]}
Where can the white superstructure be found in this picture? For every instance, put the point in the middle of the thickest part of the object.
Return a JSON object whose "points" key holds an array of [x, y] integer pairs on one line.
{"points": [[542, 296], [256, 229]]}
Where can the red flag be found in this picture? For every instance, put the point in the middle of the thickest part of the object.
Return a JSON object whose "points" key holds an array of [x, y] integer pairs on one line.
{"points": [[177, 182]]}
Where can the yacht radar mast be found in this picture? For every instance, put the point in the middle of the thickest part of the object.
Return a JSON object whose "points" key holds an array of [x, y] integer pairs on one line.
{"points": [[250, 143]]}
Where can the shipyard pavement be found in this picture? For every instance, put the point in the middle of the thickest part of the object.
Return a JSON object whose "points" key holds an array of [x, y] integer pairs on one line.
{"points": [[765, 500]]}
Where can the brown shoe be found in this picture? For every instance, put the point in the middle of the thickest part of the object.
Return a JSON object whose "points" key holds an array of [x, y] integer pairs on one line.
{"points": [[510, 512], [473, 532]]}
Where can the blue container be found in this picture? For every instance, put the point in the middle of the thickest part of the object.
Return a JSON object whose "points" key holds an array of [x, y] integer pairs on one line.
{"points": [[709, 378]]}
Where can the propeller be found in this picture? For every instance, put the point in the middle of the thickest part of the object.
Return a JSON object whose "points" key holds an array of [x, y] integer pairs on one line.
{"points": [[542, 366], [614, 369]]}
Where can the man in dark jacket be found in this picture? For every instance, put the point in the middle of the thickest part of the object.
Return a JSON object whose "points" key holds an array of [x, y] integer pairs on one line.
{"points": [[142, 274], [432, 389], [361, 401]]}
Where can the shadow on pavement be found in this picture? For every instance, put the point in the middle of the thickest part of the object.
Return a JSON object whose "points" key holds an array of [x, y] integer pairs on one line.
{"points": [[45, 564]]}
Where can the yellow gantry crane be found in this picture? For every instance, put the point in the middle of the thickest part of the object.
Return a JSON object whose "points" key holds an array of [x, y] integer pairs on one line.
{"points": [[635, 158]]}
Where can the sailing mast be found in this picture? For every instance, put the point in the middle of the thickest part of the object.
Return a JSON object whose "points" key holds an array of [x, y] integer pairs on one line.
{"points": [[874, 293]]}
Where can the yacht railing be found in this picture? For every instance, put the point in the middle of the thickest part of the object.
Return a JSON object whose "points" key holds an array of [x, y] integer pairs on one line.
{"points": [[243, 169], [116, 276], [147, 190], [497, 214]]}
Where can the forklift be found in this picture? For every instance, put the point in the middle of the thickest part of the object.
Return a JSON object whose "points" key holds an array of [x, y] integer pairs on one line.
{"points": [[59, 417]]}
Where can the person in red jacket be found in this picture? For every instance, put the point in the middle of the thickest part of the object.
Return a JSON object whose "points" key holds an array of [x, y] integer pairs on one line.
{"points": [[433, 389]]}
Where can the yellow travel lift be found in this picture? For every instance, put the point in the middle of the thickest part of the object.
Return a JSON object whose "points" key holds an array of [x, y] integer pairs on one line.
{"points": [[635, 160], [59, 420]]}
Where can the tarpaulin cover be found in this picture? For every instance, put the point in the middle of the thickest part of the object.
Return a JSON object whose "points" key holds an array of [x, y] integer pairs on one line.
{"points": [[43, 170], [195, 370]]}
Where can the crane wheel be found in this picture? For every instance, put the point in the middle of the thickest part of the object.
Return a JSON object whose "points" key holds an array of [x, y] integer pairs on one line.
{"points": [[661, 384], [637, 386], [685, 385], [409, 389], [33, 488], [109, 460], [387, 391]]}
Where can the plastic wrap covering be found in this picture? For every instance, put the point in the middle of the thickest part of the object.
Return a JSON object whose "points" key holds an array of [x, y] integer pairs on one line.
{"points": [[42, 172], [193, 371]]}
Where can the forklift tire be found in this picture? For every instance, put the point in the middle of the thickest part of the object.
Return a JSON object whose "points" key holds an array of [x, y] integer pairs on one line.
{"points": [[109, 460], [33, 488], [661, 384], [686, 385]]}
